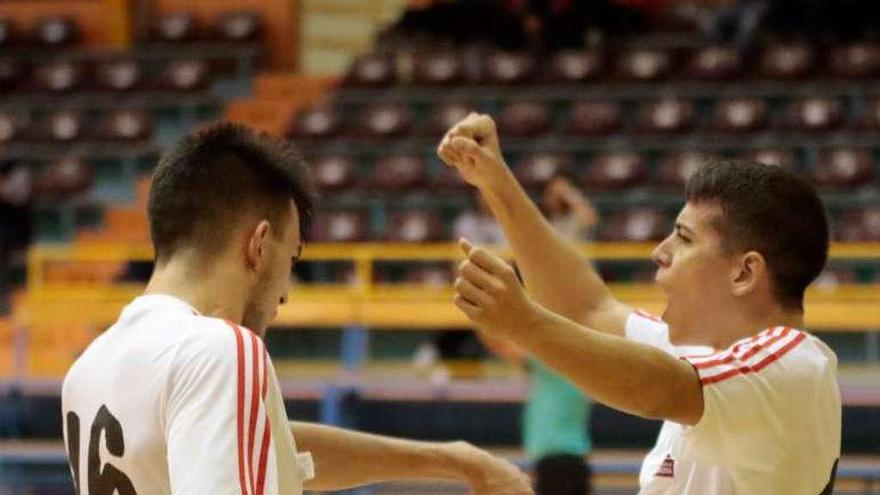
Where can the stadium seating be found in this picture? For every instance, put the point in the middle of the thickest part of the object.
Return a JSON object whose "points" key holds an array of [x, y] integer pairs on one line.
{"points": [[334, 172], [594, 118], [615, 171], [536, 169], [398, 173], [414, 225]]}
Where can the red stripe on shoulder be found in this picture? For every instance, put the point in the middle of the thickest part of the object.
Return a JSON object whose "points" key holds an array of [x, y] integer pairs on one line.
{"points": [[239, 347], [736, 352], [742, 370]]}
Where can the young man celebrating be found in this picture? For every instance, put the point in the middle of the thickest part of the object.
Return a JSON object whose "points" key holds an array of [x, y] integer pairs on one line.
{"points": [[179, 396], [758, 411]]}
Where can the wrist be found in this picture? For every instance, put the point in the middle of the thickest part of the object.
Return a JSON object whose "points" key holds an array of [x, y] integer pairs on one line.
{"points": [[458, 458]]}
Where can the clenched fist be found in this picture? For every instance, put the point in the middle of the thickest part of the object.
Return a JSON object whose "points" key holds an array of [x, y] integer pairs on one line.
{"points": [[472, 147]]}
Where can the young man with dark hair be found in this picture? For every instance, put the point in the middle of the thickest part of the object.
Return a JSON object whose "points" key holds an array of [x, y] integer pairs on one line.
{"points": [[180, 396], [754, 408]]}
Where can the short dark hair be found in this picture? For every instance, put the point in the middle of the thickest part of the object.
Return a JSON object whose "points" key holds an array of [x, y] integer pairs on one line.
{"points": [[213, 176], [770, 210]]}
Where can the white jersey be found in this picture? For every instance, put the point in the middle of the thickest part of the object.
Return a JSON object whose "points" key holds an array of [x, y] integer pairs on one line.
{"points": [[171, 402], [771, 419]]}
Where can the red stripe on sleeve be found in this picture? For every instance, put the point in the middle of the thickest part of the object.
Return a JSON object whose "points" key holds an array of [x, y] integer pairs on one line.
{"points": [[267, 427], [239, 347], [265, 366], [261, 477], [255, 406], [742, 370]]}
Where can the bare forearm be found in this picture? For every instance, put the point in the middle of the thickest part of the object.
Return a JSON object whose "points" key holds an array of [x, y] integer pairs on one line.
{"points": [[346, 459], [622, 374], [555, 272]]}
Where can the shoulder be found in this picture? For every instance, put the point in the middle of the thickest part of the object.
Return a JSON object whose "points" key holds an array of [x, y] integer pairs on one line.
{"points": [[781, 354], [214, 340]]}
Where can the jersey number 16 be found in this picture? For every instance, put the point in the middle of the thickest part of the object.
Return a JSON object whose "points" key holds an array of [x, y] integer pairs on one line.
{"points": [[106, 479]]}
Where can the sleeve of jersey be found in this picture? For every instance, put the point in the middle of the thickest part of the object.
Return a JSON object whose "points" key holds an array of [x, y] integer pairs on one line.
{"points": [[217, 428], [746, 389], [648, 329]]}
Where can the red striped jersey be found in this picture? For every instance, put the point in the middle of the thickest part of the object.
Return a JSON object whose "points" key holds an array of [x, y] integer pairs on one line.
{"points": [[168, 401], [771, 419]]}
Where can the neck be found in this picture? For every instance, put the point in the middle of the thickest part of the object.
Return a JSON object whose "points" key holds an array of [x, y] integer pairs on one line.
{"points": [[179, 277]]}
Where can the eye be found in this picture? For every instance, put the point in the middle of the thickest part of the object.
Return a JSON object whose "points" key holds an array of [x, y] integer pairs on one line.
{"points": [[683, 238]]}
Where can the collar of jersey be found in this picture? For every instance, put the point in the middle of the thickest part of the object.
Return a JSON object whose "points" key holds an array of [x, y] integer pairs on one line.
{"points": [[163, 300]]}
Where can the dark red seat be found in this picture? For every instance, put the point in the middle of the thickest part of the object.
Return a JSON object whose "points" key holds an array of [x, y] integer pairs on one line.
{"points": [[536, 169], [119, 75], [713, 63], [870, 118], [56, 32], [372, 70], [448, 180], [59, 77], [575, 66], [855, 60], [616, 170], [858, 225], [176, 27], [398, 173], [524, 119], [772, 156], [667, 116], [635, 225], [677, 167], [414, 226], [12, 75], [63, 125], [10, 35], [786, 61], [740, 115], [239, 27], [446, 115], [645, 64], [334, 172], [339, 226], [66, 178], [186, 75], [317, 123], [844, 168], [126, 125], [594, 118], [385, 120], [510, 68], [437, 69], [814, 114], [13, 126]]}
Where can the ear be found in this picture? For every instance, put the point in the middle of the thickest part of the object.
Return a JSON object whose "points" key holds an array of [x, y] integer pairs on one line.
{"points": [[749, 273], [255, 245]]}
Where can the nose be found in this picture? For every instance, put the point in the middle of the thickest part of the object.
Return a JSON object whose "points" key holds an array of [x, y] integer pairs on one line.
{"points": [[660, 255]]}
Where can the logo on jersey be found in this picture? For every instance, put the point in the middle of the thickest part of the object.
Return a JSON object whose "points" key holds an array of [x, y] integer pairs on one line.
{"points": [[667, 468]]}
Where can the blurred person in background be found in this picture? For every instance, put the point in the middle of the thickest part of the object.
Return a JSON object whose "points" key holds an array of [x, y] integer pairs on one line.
{"points": [[16, 193], [557, 414], [475, 222]]}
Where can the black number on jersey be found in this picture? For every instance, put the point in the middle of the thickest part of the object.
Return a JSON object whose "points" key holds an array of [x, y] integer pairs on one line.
{"points": [[106, 479]]}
